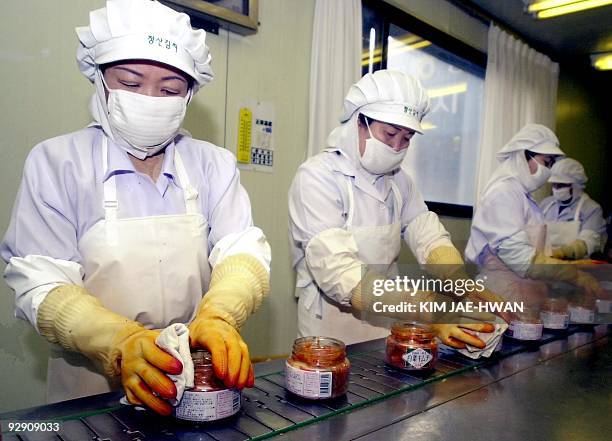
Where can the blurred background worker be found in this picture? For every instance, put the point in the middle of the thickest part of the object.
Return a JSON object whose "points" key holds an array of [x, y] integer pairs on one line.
{"points": [[575, 227], [350, 206], [119, 228], [507, 233]]}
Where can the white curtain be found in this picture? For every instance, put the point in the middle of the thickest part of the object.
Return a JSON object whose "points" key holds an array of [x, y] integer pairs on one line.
{"points": [[335, 64], [520, 88]]}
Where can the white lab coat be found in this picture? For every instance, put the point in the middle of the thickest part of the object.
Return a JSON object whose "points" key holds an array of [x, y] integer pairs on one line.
{"points": [[591, 226], [319, 203], [507, 230], [148, 258]]}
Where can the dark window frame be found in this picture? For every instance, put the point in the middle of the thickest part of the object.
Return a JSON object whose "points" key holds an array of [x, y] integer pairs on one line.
{"points": [[388, 14]]}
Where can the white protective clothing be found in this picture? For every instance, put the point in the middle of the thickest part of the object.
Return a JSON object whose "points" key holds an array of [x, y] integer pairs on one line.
{"points": [[380, 158], [576, 218], [568, 171], [129, 265], [389, 96], [149, 268], [562, 194], [141, 29], [508, 226], [582, 219], [146, 123], [147, 30], [533, 137], [351, 219]]}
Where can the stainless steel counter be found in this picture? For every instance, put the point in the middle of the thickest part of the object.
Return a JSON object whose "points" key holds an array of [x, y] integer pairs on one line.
{"points": [[559, 390]]}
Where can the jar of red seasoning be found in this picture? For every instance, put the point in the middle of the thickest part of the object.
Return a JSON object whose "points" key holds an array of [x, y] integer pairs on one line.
{"points": [[209, 399], [528, 327], [582, 311], [411, 347], [554, 314], [318, 368]]}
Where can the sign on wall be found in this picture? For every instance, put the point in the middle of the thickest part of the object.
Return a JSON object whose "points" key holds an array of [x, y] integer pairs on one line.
{"points": [[255, 149]]}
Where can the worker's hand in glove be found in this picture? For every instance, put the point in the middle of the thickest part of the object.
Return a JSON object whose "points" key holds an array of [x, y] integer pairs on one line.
{"points": [[230, 354], [571, 251], [76, 320], [454, 335], [547, 268], [238, 285], [144, 366], [488, 296], [590, 286]]}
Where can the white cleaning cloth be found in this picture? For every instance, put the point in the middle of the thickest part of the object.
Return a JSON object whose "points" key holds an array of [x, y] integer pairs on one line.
{"points": [[175, 340], [491, 339]]}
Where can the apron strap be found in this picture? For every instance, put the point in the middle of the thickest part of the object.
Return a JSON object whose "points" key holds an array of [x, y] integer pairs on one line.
{"points": [[578, 208], [189, 192], [545, 210], [397, 206], [351, 204], [111, 205]]}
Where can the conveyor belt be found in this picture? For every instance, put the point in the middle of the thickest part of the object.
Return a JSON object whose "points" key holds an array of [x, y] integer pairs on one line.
{"points": [[268, 409]]}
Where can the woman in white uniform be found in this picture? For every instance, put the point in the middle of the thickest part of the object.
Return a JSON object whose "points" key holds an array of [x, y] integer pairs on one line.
{"points": [[508, 230], [120, 228], [575, 227], [351, 205]]}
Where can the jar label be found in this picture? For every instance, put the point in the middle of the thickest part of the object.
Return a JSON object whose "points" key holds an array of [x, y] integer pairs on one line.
{"points": [[525, 331], [208, 406], [309, 384], [578, 314], [417, 358], [554, 320]]}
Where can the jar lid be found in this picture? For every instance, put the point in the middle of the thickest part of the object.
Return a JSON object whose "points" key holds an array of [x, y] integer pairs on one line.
{"points": [[408, 329], [319, 342], [201, 357]]}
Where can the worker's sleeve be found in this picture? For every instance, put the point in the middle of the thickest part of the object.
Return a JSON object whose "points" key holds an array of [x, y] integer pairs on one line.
{"points": [[316, 219], [40, 245], [240, 256], [230, 220], [421, 229], [500, 219], [592, 227]]}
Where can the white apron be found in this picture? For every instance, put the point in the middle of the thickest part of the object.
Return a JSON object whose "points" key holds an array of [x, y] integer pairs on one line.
{"points": [[503, 281], [317, 313], [559, 233], [150, 269]]}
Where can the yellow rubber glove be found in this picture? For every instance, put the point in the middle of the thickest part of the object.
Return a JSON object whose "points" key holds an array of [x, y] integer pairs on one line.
{"points": [[446, 263], [548, 268], [453, 334], [571, 251], [237, 287], [363, 298], [76, 320]]}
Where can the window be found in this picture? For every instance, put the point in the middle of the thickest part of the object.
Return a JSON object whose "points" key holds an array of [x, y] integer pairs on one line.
{"points": [[443, 161]]}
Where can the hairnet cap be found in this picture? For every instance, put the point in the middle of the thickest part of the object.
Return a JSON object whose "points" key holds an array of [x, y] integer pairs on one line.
{"points": [[143, 29], [568, 171], [388, 96], [535, 138]]}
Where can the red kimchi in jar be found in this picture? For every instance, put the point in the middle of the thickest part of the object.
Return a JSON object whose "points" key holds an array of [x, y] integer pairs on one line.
{"points": [[318, 368], [209, 399], [411, 347]]}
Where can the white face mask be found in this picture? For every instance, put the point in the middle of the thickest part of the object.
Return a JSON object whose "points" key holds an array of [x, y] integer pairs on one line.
{"points": [[539, 178], [563, 194], [146, 123], [378, 157]]}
